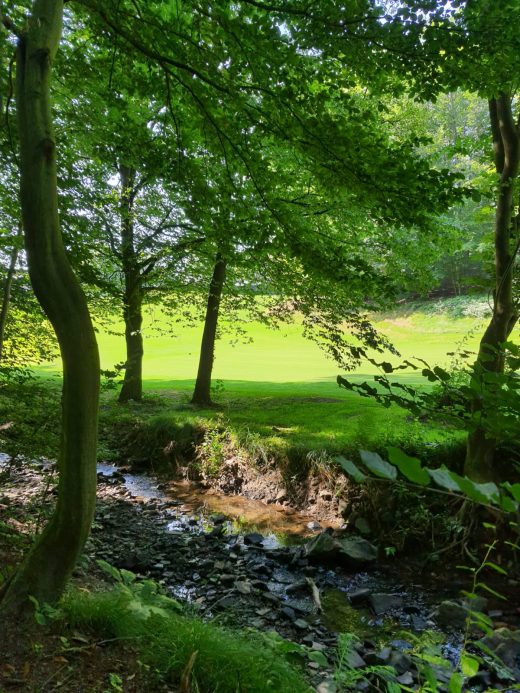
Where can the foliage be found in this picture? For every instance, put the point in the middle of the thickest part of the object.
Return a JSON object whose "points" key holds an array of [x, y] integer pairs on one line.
{"points": [[168, 641], [212, 450], [346, 676], [506, 496], [29, 410], [482, 399]]}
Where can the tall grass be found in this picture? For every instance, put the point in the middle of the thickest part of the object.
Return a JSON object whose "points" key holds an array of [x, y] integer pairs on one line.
{"points": [[179, 647]]}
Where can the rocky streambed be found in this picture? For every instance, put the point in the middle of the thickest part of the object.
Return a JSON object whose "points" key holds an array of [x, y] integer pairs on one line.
{"points": [[260, 567]]}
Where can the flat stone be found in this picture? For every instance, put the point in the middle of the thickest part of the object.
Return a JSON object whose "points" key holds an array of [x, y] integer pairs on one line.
{"points": [[359, 596], [243, 587], [227, 579], [383, 603], [288, 612], [270, 597], [505, 644], [301, 624], [355, 661], [263, 612], [300, 586], [327, 686]]}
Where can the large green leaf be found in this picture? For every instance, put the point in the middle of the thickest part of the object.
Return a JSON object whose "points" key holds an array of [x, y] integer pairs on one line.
{"points": [[514, 490], [410, 467], [350, 469], [377, 465], [480, 493], [443, 477], [469, 664]]}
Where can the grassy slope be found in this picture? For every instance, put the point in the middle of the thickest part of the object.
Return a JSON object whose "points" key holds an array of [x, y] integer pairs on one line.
{"points": [[281, 387]]}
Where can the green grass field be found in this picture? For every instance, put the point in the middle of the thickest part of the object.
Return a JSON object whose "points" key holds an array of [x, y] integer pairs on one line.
{"points": [[280, 387]]}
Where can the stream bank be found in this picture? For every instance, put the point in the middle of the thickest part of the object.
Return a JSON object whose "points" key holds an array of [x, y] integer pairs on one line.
{"points": [[260, 574]]}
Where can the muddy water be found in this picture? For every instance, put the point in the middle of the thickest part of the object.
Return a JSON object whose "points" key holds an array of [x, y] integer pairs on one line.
{"points": [[279, 525]]}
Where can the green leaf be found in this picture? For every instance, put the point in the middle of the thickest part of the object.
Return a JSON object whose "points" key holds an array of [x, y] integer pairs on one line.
{"points": [[469, 664], [514, 490], [109, 570], [350, 468], [455, 684], [441, 374], [443, 477], [496, 567], [410, 467], [480, 493], [377, 465], [483, 586], [508, 504]]}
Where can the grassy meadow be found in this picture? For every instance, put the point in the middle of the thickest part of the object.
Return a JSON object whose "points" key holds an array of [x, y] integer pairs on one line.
{"points": [[278, 388]]}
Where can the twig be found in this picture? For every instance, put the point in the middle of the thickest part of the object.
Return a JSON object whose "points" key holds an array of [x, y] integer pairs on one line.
{"points": [[315, 593]]}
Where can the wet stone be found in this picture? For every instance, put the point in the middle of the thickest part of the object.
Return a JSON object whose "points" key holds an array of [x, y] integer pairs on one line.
{"points": [[254, 539]]}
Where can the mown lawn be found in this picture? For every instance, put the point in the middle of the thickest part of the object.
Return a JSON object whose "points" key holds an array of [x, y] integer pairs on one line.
{"points": [[278, 387]]}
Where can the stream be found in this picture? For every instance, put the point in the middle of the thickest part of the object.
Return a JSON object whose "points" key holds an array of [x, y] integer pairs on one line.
{"points": [[244, 562], [248, 564]]}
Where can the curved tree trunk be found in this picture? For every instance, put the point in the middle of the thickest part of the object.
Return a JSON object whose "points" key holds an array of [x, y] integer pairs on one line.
{"points": [[133, 296], [480, 451], [6, 296], [47, 567], [202, 392]]}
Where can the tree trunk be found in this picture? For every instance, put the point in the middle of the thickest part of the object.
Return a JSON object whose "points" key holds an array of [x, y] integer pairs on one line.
{"points": [[133, 296], [48, 565], [480, 451], [202, 392], [6, 297]]}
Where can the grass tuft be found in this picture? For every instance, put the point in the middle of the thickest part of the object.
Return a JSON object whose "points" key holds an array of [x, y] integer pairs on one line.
{"points": [[172, 644]]}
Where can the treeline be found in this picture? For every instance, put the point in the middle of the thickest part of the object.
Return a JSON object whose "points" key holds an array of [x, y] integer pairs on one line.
{"points": [[183, 153]]}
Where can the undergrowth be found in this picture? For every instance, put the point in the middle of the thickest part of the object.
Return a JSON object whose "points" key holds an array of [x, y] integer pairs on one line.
{"points": [[182, 649]]}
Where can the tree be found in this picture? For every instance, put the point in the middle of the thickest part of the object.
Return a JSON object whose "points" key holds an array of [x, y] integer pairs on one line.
{"points": [[472, 44], [51, 560]]}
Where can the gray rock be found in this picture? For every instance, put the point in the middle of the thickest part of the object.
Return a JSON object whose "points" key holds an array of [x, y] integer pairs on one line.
{"points": [[288, 612], [254, 539], [301, 624], [359, 596], [383, 603], [300, 586], [352, 549], [227, 579], [405, 679], [355, 661], [505, 644], [451, 615], [243, 587], [328, 686], [401, 662]]}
